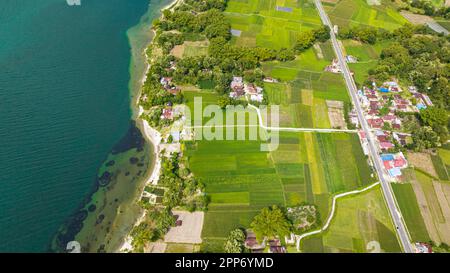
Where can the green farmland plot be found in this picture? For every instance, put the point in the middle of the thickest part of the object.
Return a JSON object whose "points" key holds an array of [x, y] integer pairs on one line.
{"points": [[359, 221], [240, 179], [407, 202], [347, 13], [367, 56], [263, 24], [304, 90]]}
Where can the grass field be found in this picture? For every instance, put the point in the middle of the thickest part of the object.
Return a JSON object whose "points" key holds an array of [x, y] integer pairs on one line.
{"points": [[359, 221], [260, 22], [349, 13]]}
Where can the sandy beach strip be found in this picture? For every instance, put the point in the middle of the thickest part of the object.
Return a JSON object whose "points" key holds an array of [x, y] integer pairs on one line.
{"points": [[153, 136]]}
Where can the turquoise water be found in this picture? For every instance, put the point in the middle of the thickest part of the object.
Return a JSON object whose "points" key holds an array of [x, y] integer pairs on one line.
{"points": [[64, 103]]}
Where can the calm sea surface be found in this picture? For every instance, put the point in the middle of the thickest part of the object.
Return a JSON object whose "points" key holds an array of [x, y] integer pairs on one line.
{"points": [[64, 103]]}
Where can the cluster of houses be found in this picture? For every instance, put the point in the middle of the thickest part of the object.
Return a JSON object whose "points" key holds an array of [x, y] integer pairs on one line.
{"points": [[255, 247], [334, 67], [168, 85], [394, 163], [239, 89], [423, 248], [167, 112], [374, 99]]}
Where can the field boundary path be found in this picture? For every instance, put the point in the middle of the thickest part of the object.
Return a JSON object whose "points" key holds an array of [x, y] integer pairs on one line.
{"points": [[400, 226], [330, 216], [293, 129]]}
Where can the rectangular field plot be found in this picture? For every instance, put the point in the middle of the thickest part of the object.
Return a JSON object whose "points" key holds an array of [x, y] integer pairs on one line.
{"points": [[305, 89], [240, 179], [359, 221], [270, 23], [348, 13]]}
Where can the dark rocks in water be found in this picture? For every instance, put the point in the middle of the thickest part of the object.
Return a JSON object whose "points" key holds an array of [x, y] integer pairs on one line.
{"points": [[110, 163], [100, 219], [139, 173], [134, 160], [92, 208], [133, 139], [104, 179], [127, 173], [140, 164], [116, 200], [80, 216], [69, 235]]}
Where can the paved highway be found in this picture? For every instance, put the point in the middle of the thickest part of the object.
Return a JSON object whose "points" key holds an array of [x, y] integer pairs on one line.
{"points": [[402, 232]]}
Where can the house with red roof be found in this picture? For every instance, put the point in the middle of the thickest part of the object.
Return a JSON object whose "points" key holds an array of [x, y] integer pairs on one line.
{"points": [[375, 122]]}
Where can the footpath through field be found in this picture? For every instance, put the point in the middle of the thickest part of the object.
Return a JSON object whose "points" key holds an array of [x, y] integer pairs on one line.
{"points": [[330, 216]]}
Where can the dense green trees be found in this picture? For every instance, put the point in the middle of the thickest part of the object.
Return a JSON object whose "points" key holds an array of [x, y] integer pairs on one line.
{"points": [[426, 7], [364, 34], [424, 138], [436, 118], [155, 224], [304, 41], [235, 242], [307, 38], [270, 222]]}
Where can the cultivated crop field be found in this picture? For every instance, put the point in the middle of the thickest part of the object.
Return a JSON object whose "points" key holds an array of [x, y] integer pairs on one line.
{"points": [[367, 55], [263, 24], [424, 198], [360, 224], [240, 179], [305, 88], [358, 12]]}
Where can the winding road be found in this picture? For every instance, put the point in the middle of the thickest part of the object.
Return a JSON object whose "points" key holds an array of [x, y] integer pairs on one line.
{"points": [[400, 226]]}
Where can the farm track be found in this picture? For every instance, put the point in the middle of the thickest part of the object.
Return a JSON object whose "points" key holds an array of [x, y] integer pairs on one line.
{"points": [[332, 212]]}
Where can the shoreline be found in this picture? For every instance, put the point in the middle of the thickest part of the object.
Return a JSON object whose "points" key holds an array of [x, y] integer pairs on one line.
{"points": [[152, 136]]}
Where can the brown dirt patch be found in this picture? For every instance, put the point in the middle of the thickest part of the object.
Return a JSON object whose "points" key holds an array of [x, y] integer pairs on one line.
{"points": [[416, 19], [421, 161]]}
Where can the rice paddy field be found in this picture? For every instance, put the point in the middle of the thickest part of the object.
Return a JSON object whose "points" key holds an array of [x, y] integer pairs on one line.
{"points": [[361, 223], [305, 87], [348, 13], [424, 199], [271, 23], [407, 202], [240, 179]]}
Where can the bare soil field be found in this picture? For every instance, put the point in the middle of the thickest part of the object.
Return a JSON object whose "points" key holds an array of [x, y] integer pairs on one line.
{"points": [[336, 114], [416, 19], [190, 231], [433, 198], [421, 161]]}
